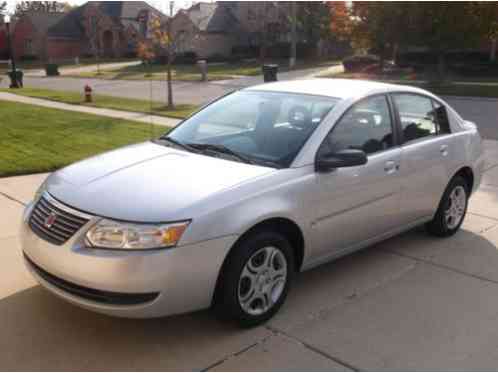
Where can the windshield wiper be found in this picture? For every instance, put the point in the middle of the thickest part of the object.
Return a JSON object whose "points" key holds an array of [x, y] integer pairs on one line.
{"points": [[179, 144], [222, 149]]}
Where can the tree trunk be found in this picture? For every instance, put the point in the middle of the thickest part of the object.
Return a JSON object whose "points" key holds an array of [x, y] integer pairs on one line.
{"points": [[170, 86], [492, 53], [441, 65]]}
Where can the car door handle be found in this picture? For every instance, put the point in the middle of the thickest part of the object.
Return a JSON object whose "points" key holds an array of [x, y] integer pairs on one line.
{"points": [[444, 150], [390, 167]]}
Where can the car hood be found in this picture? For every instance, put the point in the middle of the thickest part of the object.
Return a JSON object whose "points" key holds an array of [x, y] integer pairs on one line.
{"points": [[146, 182]]}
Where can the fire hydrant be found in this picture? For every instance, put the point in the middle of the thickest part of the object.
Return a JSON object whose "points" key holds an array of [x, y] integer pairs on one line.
{"points": [[88, 93]]}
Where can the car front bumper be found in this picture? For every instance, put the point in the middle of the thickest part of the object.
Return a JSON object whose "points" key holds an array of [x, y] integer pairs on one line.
{"points": [[138, 284]]}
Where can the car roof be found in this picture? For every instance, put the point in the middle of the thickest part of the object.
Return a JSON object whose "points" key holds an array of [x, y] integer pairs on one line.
{"points": [[338, 88]]}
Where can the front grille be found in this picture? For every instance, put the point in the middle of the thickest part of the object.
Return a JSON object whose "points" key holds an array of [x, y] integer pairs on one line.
{"points": [[63, 227], [100, 296]]}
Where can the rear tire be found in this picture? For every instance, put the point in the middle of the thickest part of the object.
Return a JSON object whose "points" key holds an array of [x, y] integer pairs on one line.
{"points": [[452, 209], [255, 279]]}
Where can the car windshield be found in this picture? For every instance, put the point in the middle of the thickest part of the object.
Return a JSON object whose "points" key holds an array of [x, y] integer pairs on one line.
{"points": [[267, 128]]}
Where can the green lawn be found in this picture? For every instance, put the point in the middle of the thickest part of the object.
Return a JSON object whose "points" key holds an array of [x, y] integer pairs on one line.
{"points": [[36, 139], [458, 87], [108, 102], [220, 71], [180, 72]]}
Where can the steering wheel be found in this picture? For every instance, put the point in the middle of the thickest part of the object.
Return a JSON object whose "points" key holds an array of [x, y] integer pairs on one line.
{"points": [[299, 117]]}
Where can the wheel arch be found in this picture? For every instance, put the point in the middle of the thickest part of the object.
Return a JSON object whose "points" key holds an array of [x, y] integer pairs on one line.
{"points": [[284, 226], [468, 175]]}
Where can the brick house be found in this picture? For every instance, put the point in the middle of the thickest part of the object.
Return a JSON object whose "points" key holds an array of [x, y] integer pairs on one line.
{"points": [[215, 28], [30, 34], [109, 28], [3, 40]]}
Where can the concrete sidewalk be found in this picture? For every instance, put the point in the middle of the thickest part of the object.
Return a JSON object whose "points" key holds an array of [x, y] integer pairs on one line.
{"points": [[118, 114], [413, 302]]}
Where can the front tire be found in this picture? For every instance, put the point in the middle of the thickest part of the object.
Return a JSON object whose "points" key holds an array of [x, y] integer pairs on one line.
{"points": [[255, 279], [452, 209]]}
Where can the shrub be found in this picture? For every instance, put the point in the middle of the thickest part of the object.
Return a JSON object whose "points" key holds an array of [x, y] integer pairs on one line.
{"points": [[186, 58], [28, 57], [359, 63], [217, 57]]}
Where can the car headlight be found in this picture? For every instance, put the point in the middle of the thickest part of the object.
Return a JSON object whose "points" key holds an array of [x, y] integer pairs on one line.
{"points": [[108, 234]]}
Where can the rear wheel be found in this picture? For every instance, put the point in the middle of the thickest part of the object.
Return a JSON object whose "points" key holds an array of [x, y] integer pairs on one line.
{"points": [[452, 209], [255, 279]]}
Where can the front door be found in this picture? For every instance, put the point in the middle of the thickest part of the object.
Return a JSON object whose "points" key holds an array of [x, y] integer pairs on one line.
{"points": [[352, 205]]}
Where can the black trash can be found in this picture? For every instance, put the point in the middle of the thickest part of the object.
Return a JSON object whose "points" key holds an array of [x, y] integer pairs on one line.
{"points": [[16, 78], [270, 73]]}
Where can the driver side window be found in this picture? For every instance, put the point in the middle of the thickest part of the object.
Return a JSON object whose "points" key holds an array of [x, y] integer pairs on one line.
{"points": [[366, 126]]}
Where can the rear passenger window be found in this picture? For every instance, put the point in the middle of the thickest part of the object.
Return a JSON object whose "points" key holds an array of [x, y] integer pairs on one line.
{"points": [[417, 115], [443, 123]]}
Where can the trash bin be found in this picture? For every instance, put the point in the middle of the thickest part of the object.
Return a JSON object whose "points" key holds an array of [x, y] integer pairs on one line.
{"points": [[52, 69], [16, 78], [270, 73], [203, 68]]}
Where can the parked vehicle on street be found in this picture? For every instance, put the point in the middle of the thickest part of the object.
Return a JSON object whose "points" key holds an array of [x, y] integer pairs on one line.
{"points": [[261, 184]]}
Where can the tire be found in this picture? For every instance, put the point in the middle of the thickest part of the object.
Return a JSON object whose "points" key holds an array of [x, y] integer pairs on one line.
{"points": [[249, 291], [444, 225]]}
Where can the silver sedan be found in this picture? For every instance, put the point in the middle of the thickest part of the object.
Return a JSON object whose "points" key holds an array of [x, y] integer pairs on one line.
{"points": [[263, 183]]}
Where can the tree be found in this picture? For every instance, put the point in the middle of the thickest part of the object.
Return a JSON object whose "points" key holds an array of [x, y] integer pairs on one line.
{"points": [[443, 26], [382, 26], [341, 20], [41, 6], [163, 40], [314, 20]]}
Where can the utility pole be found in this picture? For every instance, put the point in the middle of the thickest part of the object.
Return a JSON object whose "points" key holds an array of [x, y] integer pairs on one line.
{"points": [[293, 53]]}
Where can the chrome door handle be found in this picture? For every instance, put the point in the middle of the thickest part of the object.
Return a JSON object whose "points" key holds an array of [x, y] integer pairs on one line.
{"points": [[444, 150], [390, 167]]}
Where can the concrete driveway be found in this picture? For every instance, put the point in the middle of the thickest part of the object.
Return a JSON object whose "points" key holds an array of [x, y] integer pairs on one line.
{"points": [[411, 303]]}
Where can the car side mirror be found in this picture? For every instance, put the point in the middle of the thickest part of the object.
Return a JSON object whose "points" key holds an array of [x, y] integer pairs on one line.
{"points": [[342, 158]]}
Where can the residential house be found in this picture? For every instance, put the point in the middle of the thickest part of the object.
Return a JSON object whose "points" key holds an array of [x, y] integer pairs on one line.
{"points": [[215, 28], [109, 28], [29, 35], [4, 53]]}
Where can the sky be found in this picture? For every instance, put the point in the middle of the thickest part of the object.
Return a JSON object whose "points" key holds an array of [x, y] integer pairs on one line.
{"points": [[161, 5]]}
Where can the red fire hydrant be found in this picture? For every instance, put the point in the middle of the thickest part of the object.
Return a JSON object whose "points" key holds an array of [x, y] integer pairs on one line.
{"points": [[88, 93]]}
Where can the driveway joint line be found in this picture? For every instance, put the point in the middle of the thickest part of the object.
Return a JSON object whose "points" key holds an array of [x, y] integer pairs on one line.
{"points": [[483, 216], [442, 266], [12, 198], [316, 350], [237, 353]]}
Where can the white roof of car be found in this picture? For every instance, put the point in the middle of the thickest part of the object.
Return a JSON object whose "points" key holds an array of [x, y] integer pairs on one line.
{"points": [[339, 88]]}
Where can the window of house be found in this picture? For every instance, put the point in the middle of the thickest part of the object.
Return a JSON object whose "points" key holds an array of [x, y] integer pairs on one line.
{"points": [[93, 24], [417, 116], [28, 47], [366, 126], [251, 14]]}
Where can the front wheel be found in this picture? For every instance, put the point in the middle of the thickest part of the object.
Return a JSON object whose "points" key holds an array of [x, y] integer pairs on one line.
{"points": [[255, 279], [452, 209]]}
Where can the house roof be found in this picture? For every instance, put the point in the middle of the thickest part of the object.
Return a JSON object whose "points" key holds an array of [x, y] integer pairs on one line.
{"points": [[211, 17], [123, 12], [42, 21]]}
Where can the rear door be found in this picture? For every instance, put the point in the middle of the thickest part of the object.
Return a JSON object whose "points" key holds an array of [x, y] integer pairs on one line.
{"points": [[425, 154]]}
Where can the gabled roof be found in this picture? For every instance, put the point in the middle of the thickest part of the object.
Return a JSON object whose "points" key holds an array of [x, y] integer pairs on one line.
{"points": [[42, 21], [211, 17], [123, 12]]}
